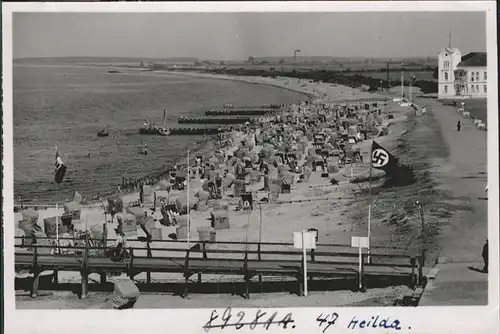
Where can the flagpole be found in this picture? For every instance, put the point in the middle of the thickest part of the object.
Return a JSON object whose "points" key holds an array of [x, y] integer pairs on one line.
{"points": [[402, 86], [370, 205], [411, 79], [188, 195], [57, 218]]}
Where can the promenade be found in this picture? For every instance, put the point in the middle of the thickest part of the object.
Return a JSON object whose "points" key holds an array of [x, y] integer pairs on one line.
{"points": [[464, 176]]}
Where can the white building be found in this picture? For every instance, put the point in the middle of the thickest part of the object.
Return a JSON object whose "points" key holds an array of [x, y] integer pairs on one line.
{"points": [[462, 76]]}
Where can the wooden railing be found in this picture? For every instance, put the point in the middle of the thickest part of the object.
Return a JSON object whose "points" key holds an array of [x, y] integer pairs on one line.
{"points": [[206, 253]]}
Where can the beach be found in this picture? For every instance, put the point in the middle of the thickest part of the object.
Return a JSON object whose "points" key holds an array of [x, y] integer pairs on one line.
{"points": [[422, 141], [66, 106]]}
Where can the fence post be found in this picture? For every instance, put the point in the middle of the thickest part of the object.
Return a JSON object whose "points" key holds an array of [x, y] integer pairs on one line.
{"points": [[204, 248], [361, 274], [84, 272], [149, 255], [420, 269], [36, 272], [131, 264], [246, 276], [413, 275], [186, 275], [260, 258], [300, 277]]}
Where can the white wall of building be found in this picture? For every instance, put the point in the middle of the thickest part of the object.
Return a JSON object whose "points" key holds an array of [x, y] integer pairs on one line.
{"points": [[476, 86], [448, 61]]}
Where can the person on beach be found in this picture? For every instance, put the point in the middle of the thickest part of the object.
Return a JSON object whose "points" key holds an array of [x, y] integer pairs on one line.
{"points": [[459, 125], [88, 154], [118, 251], [485, 256]]}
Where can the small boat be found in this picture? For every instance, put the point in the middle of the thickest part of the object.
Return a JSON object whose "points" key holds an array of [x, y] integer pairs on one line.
{"points": [[113, 71], [151, 129], [163, 132], [102, 133]]}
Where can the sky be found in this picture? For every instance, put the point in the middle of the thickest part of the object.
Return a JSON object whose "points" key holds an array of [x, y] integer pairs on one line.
{"points": [[236, 36]]}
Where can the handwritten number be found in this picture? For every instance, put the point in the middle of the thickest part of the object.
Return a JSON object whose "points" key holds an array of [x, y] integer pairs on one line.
{"points": [[209, 325], [226, 316], [270, 321], [321, 320], [287, 320], [326, 320], [259, 315], [239, 325]]}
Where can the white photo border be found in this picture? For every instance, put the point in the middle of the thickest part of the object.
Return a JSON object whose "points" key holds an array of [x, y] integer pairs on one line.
{"points": [[477, 319]]}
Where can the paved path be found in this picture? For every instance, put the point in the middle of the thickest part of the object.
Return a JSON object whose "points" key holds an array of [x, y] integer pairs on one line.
{"points": [[457, 282]]}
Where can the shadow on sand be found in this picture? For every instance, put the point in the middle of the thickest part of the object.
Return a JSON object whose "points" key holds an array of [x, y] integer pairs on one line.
{"points": [[233, 288], [478, 270]]}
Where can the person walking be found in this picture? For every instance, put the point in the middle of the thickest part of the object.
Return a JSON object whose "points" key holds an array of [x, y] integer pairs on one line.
{"points": [[485, 256], [459, 125]]}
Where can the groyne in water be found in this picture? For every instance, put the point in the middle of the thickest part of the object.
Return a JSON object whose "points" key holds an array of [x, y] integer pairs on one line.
{"points": [[241, 112], [196, 131], [214, 120]]}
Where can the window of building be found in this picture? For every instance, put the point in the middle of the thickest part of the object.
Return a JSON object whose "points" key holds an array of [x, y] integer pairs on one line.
{"points": [[477, 88], [471, 76], [446, 76], [485, 89], [485, 75], [477, 76], [445, 89], [472, 88], [446, 64]]}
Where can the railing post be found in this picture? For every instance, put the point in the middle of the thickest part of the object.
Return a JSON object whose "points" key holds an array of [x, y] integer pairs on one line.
{"points": [[300, 278], [246, 276], [84, 272], [130, 267], [186, 275], [260, 258], [204, 248], [36, 272], [413, 275], [56, 277], [149, 255], [420, 270], [361, 274]]}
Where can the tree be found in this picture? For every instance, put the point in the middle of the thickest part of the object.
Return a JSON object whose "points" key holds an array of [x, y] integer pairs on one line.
{"points": [[250, 60], [282, 61], [435, 73]]}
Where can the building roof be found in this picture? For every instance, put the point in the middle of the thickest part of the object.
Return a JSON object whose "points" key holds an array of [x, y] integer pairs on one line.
{"points": [[473, 59]]}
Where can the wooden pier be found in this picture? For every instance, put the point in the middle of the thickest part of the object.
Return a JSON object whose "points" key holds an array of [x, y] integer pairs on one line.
{"points": [[256, 260]]}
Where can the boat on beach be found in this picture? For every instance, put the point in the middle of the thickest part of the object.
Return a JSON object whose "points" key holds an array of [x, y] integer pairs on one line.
{"points": [[102, 133]]}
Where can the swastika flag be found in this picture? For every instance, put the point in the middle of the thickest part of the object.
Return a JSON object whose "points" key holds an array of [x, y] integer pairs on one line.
{"points": [[382, 159]]}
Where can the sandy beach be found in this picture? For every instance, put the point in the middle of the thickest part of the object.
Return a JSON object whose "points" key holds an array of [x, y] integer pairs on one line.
{"points": [[422, 141]]}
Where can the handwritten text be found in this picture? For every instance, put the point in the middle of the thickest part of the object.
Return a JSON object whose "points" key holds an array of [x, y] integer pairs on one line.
{"points": [[238, 320]]}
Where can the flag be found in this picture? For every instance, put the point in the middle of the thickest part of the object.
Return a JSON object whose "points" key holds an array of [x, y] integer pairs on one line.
{"points": [[60, 168], [382, 159]]}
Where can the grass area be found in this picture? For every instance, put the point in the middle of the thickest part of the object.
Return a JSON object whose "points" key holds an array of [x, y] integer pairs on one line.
{"points": [[396, 76], [476, 107]]}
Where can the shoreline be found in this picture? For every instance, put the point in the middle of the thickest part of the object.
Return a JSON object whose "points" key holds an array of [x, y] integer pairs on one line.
{"points": [[336, 219], [304, 88]]}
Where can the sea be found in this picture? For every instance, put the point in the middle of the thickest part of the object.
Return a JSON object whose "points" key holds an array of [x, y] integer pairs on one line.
{"points": [[65, 106]]}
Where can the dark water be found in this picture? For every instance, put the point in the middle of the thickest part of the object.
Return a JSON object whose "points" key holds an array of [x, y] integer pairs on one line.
{"points": [[67, 106]]}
